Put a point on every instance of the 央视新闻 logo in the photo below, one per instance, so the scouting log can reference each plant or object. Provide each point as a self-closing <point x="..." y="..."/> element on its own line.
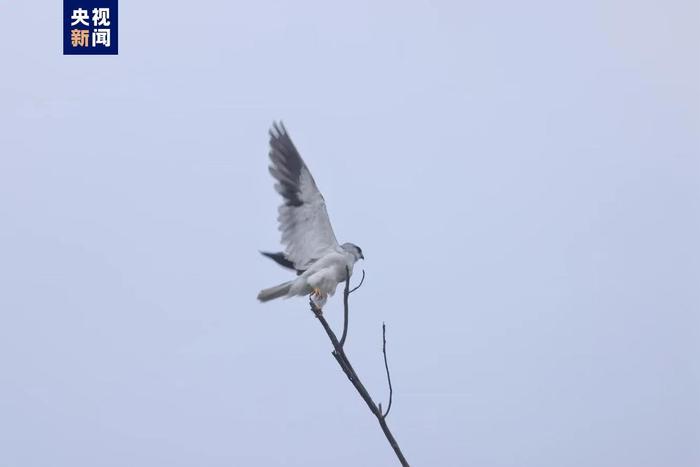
<point x="90" y="27"/>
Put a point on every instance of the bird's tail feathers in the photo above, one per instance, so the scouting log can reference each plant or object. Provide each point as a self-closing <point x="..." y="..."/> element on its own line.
<point x="277" y="291"/>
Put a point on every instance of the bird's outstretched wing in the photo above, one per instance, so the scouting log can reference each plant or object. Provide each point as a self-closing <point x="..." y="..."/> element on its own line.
<point x="306" y="229"/>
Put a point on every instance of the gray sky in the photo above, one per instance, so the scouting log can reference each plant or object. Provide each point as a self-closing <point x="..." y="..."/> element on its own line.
<point x="523" y="178"/>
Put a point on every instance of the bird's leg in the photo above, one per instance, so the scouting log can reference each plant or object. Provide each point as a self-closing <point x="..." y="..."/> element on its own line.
<point x="317" y="299"/>
<point x="317" y="311"/>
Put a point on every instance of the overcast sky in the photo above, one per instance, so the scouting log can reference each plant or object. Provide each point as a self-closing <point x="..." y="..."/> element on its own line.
<point x="523" y="178"/>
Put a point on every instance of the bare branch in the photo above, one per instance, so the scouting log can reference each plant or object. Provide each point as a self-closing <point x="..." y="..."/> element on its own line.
<point x="342" y="359"/>
<point x="346" y="294"/>
<point x="388" y="375"/>
<point x="360" y="284"/>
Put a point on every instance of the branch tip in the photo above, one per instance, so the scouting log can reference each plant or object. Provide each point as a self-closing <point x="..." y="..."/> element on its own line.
<point x="386" y="366"/>
<point x="362" y="280"/>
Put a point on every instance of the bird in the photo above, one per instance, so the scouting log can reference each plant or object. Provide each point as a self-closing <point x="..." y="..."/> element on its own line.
<point x="311" y="248"/>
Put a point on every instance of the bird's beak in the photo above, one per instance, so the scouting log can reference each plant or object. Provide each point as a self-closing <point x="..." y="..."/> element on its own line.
<point x="362" y="256"/>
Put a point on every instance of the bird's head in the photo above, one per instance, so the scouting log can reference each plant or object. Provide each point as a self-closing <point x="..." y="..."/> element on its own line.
<point x="353" y="249"/>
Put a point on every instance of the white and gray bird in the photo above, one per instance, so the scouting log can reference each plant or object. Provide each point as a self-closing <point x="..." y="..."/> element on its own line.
<point x="311" y="248"/>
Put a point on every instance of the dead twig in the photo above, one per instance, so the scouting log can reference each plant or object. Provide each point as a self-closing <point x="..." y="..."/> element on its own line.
<point x="345" y="365"/>
<point x="346" y="294"/>
<point x="386" y="366"/>
<point x="358" y="285"/>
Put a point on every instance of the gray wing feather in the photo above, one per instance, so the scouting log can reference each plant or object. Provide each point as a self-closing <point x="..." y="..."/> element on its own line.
<point x="306" y="229"/>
